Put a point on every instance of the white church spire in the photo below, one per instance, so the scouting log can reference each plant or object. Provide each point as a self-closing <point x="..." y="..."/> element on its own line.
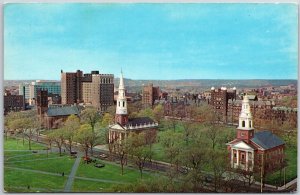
<point x="121" y="101"/>
<point x="245" y="119"/>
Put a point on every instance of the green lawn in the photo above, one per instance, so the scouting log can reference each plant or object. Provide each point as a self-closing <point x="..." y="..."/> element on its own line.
<point x="18" y="181"/>
<point x="91" y="186"/>
<point x="228" y="131"/>
<point x="54" y="163"/>
<point x="290" y="170"/>
<point x="17" y="144"/>
<point x="111" y="172"/>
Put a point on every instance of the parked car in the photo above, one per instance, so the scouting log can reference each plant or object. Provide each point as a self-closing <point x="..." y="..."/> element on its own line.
<point x="73" y="152"/>
<point x="103" y="155"/>
<point x="208" y="179"/>
<point x="99" y="165"/>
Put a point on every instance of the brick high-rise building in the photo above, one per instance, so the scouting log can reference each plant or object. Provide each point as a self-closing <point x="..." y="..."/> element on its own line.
<point x="150" y="94"/>
<point x="13" y="103"/>
<point x="219" y="100"/>
<point x="42" y="101"/>
<point x="71" y="87"/>
<point x="94" y="88"/>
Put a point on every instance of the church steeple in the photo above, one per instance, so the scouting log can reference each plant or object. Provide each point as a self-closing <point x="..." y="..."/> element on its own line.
<point x="121" y="109"/>
<point x="245" y="119"/>
<point x="245" y="129"/>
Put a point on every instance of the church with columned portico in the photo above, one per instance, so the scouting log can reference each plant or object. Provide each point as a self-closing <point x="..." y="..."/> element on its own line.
<point x="123" y="125"/>
<point x="250" y="150"/>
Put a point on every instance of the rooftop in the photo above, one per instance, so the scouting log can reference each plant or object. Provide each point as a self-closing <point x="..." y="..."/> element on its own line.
<point x="266" y="139"/>
<point x="62" y="111"/>
<point x="140" y="121"/>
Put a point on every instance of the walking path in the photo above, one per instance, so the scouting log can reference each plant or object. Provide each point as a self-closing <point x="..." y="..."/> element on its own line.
<point x="59" y="174"/>
<point x="34" y="159"/>
<point x="68" y="186"/>
<point x="35" y="189"/>
<point x="34" y="171"/>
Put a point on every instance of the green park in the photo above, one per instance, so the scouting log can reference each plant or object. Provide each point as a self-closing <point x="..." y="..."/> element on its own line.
<point x="42" y="160"/>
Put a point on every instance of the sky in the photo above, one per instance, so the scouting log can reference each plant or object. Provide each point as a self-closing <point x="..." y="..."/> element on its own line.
<point x="151" y="41"/>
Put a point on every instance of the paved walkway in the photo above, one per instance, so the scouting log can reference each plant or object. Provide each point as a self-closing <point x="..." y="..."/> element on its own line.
<point x="59" y="174"/>
<point x="34" y="189"/>
<point x="68" y="186"/>
<point x="34" y="171"/>
<point x="34" y="159"/>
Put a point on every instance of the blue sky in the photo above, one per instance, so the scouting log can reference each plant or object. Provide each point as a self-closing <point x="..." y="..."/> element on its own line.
<point x="152" y="41"/>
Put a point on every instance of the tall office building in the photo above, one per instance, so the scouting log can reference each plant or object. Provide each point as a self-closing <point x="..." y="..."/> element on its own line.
<point x="150" y="94"/>
<point x="53" y="88"/>
<point x="71" y="92"/>
<point x="93" y="88"/>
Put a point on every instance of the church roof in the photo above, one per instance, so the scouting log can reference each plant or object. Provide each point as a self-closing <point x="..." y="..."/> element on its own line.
<point x="62" y="111"/>
<point x="266" y="139"/>
<point x="140" y="121"/>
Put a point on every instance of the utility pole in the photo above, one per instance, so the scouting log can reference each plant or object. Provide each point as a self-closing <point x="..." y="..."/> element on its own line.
<point x="284" y="178"/>
<point x="261" y="173"/>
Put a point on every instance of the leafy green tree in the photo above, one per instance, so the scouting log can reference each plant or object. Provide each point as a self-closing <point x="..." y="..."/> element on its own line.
<point x="189" y="128"/>
<point x="172" y="143"/>
<point x="158" y="113"/>
<point x="83" y="136"/>
<point x="70" y="127"/>
<point x="57" y="136"/>
<point x="25" y="122"/>
<point x="121" y="148"/>
<point x="91" y="116"/>
<point x="147" y="112"/>
<point x="107" y="119"/>
<point x="138" y="149"/>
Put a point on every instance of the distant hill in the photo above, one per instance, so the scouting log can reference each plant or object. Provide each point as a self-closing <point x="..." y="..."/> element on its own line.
<point x="209" y="82"/>
<point x="195" y="83"/>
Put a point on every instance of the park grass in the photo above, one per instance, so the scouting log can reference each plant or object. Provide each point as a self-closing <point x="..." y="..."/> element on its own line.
<point x="54" y="163"/>
<point x="17" y="144"/>
<point x="91" y="186"/>
<point x="111" y="172"/>
<point x="290" y="170"/>
<point x="19" y="180"/>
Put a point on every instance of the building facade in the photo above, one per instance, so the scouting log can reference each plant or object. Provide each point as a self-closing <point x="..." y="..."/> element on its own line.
<point x="13" y="103"/>
<point x="123" y="125"/>
<point x="71" y="92"/>
<point x="254" y="151"/>
<point x="94" y="89"/>
<point x="219" y="100"/>
<point x="150" y="94"/>
<point x="53" y="88"/>
<point x="227" y="104"/>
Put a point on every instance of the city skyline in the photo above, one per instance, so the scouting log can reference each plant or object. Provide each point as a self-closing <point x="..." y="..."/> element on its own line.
<point x="165" y="41"/>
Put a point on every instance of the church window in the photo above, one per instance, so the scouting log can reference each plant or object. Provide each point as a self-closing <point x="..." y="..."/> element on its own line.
<point x="234" y="155"/>
<point x="123" y="104"/>
<point x="249" y="123"/>
<point x="119" y="104"/>
<point x="243" y="123"/>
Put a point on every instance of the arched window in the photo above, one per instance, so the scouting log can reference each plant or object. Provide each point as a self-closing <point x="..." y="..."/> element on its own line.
<point x="119" y="104"/>
<point x="250" y="124"/>
<point x="123" y="104"/>
<point x="243" y="123"/>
